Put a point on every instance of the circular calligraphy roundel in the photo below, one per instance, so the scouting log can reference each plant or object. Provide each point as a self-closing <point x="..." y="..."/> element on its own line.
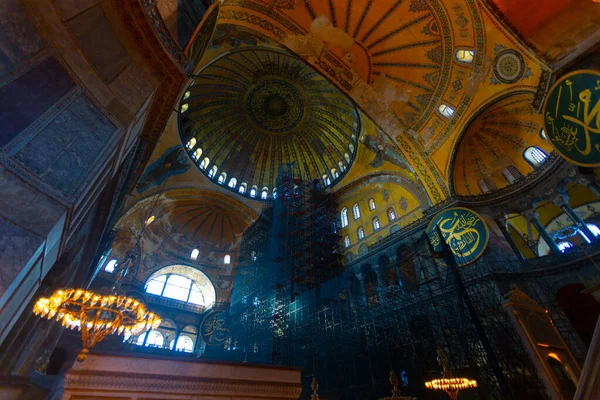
<point x="213" y="329"/>
<point x="464" y="230"/>
<point x="572" y="117"/>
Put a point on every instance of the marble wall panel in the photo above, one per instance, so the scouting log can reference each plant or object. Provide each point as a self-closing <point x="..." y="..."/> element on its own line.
<point x="27" y="206"/>
<point x="65" y="150"/>
<point x="17" y="246"/>
<point x="18" y="38"/>
<point x="133" y="86"/>
<point x="26" y="98"/>
<point x="98" y="42"/>
<point x="70" y="8"/>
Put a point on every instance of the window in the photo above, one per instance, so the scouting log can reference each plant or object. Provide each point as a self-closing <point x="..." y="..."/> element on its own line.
<point x="232" y="182"/>
<point x="351" y="148"/>
<point x="197" y="153"/>
<point x="265" y="193"/>
<point x="564" y="246"/>
<point x="483" y="186"/>
<point x="204" y="163"/>
<point x="222" y="178"/>
<point x="112" y="264"/>
<point x="151" y="338"/>
<point x="342" y="166"/>
<point x="184" y="343"/>
<point x="194" y="254"/>
<point x="183" y="283"/>
<point x="242" y="188"/>
<point x="534" y="156"/>
<point x="185" y="107"/>
<point x="334" y="173"/>
<point x="376" y="225"/>
<point x="446" y="111"/>
<point x="326" y="180"/>
<point x="213" y="171"/>
<point x="391" y="214"/>
<point x="361" y="233"/>
<point x="511" y="173"/>
<point x="191" y="143"/>
<point x="344" y="217"/>
<point x="150" y="220"/>
<point x="253" y="191"/>
<point x="543" y="134"/>
<point x="465" y="56"/>
<point x="346" y="241"/>
<point x="347" y="158"/>
<point x="227" y="259"/>
<point x="274" y="193"/>
<point x="372" y="204"/>
<point x="594" y="229"/>
<point x="356" y="211"/>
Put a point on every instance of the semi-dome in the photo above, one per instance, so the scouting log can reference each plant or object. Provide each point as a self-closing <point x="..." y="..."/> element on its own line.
<point x="255" y="109"/>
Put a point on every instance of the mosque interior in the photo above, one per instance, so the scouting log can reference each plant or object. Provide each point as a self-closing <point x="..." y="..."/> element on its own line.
<point x="299" y="199"/>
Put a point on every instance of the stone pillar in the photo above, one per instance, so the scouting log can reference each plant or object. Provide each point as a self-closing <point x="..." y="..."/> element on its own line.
<point x="532" y="216"/>
<point x="589" y="180"/>
<point x="501" y="222"/>
<point x="563" y="202"/>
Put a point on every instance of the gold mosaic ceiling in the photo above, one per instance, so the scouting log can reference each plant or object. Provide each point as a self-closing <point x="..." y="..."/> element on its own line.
<point x="254" y="109"/>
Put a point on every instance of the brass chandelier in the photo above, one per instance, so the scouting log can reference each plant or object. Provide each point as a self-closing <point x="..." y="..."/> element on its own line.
<point x="452" y="386"/>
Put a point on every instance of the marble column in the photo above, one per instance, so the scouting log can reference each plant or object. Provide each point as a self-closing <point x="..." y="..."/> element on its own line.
<point x="563" y="202"/>
<point x="501" y="222"/>
<point x="532" y="216"/>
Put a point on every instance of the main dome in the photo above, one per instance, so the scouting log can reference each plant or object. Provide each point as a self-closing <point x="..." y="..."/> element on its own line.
<point x="254" y="109"/>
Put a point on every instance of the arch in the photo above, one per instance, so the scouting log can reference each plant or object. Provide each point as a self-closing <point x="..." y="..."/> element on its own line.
<point x="243" y="187"/>
<point x="376" y="225"/>
<point x="197" y="153"/>
<point x="183" y="283"/>
<point x="227" y="259"/>
<point x="372" y="204"/>
<point x="222" y="178"/>
<point x="232" y="183"/>
<point x="191" y="143"/>
<point x="356" y="211"/>
<point x="347" y="241"/>
<point x="446" y="111"/>
<point x="511" y="173"/>
<point x="264" y="193"/>
<point x="391" y="214"/>
<point x="565" y="246"/>
<point x="110" y="266"/>
<point x="253" y="191"/>
<point x="205" y="162"/>
<point x="194" y="254"/>
<point x="395" y="228"/>
<point x="151" y="338"/>
<point x="213" y="171"/>
<point x="465" y="56"/>
<point x="360" y="233"/>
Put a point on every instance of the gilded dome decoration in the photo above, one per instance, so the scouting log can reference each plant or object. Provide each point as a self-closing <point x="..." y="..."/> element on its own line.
<point x="254" y="109"/>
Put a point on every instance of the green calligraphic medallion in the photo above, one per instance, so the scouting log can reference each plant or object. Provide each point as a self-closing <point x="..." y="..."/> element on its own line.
<point x="464" y="230"/>
<point x="213" y="329"/>
<point x="572" y="117"/>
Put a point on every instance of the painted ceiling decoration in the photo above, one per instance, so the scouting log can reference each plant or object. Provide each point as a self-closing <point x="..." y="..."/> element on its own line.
<point x="494" y="143"/>
<point x="254" y="109"/>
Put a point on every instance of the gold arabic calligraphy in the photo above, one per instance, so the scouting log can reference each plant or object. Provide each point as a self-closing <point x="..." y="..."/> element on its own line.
<point x="460" y="234"/>
<point x="586" y="118"/>
<point x="214" y="330"/>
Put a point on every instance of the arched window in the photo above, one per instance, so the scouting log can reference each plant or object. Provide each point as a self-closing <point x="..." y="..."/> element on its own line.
<point x="483" y="186"/>
<point x="594" y="229"/>
<point x="351" y="148"/>
<point x="265" y="193"/>
<point x="342" y="166"/>
<point x="564" y="246"/>
<point x="372" y="204"/>
<point x="151" y="338"/>
<point x="511" y="173"/>
<point x="112" y="264"/>
<point x="204" y="163"/>
<point x="543" y="134"/>
<point x="376" y="225"/>
<point x="194" y="254"/>
<point x="183" y="283"/>
<point x="347" y="241"/>
<point x="253" y="191"/>
<point x="465" y="56"/>
<point x="446" y="111"/>
<point x="326" y="180"/>
<point x="227" y="259"/>
<point x="187" y="95"/>
<point x="534" y="156"/>
<point x="150" y="220"/>
<point x="185" y="107"/>
<point x="184" y="343"/>
<point x="391" y="214"/>
<point x="347" y="157"/>
<point x="334" y="173"/>
<point x="197" y="153"/>
<point x="213" y="171"/>
<point x="232" y="182"/>
<point x="361" y="233"/>
<point x="356" y="211"/>
<point x="191" y="143"/>
<point x="274" y="193"/>
<point x="242" y="188"/>
<point x="222" y="178"/>
<point x="344" y="217"/>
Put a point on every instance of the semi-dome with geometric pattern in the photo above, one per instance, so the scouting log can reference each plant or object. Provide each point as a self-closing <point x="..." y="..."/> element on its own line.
<point x="255" y="109"/>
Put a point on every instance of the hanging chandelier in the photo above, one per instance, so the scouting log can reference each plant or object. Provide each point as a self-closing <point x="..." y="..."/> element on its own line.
<point x="448" y="383"/>
<point x="96" y="315"/>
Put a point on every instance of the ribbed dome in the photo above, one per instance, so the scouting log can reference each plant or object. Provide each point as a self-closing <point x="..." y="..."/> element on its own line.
<point x="253" y="110"/>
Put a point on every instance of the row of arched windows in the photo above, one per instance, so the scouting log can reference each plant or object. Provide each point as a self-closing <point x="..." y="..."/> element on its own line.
<point x="463" y="56"/>
<point x="376" y="226"/>
<point x="195" y="253"/>
<point x="356" y="213"/>
<point x="168" y="337"/>
<point x="533" y="155"/>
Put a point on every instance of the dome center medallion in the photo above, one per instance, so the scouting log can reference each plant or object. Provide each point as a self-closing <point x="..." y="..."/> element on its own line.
<point x="275" y="105"/>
